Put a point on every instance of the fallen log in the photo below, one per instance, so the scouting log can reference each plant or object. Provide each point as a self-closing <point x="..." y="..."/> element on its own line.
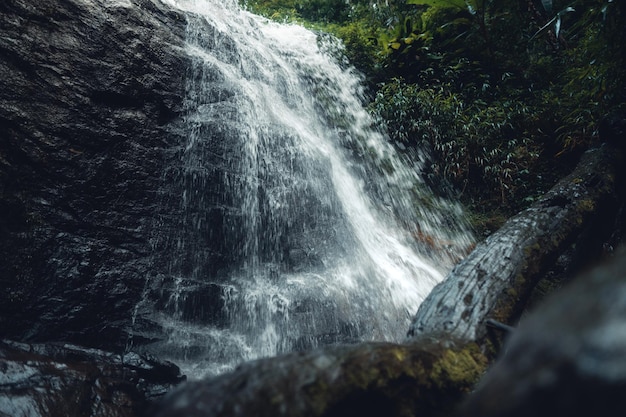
<point x="496" y="279"/>
<point x="369" y="379"/>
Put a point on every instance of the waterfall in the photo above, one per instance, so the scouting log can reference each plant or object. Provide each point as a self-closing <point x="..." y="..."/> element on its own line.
<point x="299" y="225"/>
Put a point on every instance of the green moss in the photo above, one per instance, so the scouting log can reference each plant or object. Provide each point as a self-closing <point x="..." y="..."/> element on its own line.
<point x="587" y="206"/>
<point x="460" y="368"/>
<point x="413" y="380"/>
<point x="530" y="249"/>
<point x="510" y="303"/>
<point x="485" y="222"/>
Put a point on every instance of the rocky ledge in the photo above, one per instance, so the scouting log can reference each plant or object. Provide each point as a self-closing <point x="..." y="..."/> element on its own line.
<point x="63" y="380"/>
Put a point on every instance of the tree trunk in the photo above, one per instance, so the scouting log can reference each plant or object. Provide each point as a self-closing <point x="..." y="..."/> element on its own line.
<point x="496" y="279"/>
<point x="368" y="379"/>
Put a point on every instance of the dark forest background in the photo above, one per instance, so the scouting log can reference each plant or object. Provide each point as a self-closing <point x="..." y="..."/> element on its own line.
<point x="504" y="95"/>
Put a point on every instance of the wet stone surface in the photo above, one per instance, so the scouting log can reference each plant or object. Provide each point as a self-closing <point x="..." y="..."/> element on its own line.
<point x="88" y="106"/>
<point x="64" y="380"/>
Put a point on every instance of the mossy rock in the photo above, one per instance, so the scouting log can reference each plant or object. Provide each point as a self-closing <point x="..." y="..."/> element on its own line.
<point x="371" y="379"/>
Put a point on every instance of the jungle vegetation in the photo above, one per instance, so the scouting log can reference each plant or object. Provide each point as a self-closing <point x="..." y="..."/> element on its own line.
<point x="504" y="94"/>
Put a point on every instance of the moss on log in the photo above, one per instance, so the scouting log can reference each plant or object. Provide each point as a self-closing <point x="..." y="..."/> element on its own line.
<point x="370" y="379"/>
<point x="495" y="280"/>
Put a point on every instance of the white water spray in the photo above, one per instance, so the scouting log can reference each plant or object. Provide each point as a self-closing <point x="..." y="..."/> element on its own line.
<point x="300" y="225"/>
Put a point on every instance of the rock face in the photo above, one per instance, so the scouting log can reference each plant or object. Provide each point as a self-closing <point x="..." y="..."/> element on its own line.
<point x="63" y="380"/>
<point x="91" y="90"/>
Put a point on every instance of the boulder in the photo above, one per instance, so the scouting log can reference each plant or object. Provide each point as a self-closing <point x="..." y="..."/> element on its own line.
<point x="368" y="379"/>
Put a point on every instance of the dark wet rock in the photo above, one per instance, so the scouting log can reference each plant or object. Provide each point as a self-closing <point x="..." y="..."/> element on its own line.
<point x="567" y="357"/>
<point x="370" y="379"/>
<point x="66" y="381"/>
<point x="496" y="280"/>
<point x="91" y="91"/>
<point x="193" y="301"/>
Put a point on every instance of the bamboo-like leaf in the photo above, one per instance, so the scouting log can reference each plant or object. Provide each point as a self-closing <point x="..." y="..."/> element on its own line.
<point x="544" y="28"/>
<point x="605" y="10"/>
<point x="556" y="20"/>
<point x="557" y="25"/>
<point x="459" y="4"/>
<point x="566" y="10"/>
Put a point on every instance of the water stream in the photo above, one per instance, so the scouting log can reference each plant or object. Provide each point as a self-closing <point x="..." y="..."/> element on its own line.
<point x="299" y="224"/>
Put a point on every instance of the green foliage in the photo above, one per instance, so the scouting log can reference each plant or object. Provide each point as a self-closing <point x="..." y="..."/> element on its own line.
<point x="499" y="92"/>
<point x="502" y="92"/>
<point x="444" y="4"/>
<point x="361" y="45"/>
<point x="433" y="47"/>
<point x="475" y="146"/>
<point x="324" y="10"/>
<point x="319" y="11"/>
<point x="593" y="74"/>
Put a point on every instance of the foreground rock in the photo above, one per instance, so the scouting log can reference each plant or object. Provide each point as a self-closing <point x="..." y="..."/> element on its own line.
<point x="90" y="91"/>
<point x="363" y="380"/>
<point x="567" y="358"/>
<point x="64" y="381"/>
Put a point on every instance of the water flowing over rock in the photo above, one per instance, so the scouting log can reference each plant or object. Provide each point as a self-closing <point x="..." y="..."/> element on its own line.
<point x="568" y="363"/>
<point x="297" y="225"/>
<point x="191" y="180"/>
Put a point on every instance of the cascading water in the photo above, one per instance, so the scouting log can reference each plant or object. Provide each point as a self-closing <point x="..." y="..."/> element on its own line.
<point x="299" y="223"/>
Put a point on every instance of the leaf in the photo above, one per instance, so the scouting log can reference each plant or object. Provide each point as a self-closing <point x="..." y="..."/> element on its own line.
<point x="543" y="29"/>
<point x="557" y="23"/>
<point x="458" y="4"/>
<point x="557" y="26"/>
<point x="547" y="5"/>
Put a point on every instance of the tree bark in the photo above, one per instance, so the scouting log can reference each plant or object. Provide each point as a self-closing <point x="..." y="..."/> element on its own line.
<point x="496" y="279"/>
<point x="368" y="379"/>
<point x="566" y="358"/>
